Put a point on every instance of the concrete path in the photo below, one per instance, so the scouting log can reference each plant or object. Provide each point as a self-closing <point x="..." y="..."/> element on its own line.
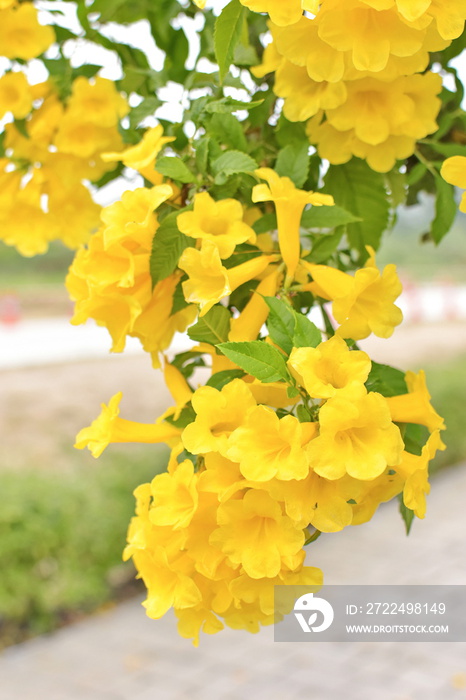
<point x="122" y="655"/>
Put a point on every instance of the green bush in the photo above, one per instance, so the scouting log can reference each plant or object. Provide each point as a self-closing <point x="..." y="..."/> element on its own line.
<point x="447" y="384"/>
<point x="61" y="540"/>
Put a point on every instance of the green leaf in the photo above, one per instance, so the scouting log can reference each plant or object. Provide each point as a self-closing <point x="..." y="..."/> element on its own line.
<point x="228" y="130"/>
<point x="257" y="358"/>
<point x="445" y="209"/>
<point x="356" y="187"/>
<point x="220" y="379"/>
<point x="227" y="35"/>
<point x="306" y="334"/>
<point x="303" y="414"/>
<point x="327" y="217"/>
<point x="230" y="163"/>
<point x="175" y="169"/>
<point x="213" y="328"/>
<point x="414" y="437"/>
<point x="293" y="162"/>
<point x="143" y="110"/>
<point x="266" y="223"/>
<point x="406" y="513"/>
<point x="324" y="246"/>
<point x="226" y="105"/>
<point x="292" y="392"/>
<point x="167" y="246"/>
<point x="281" y="323"/>
<point x="386" y="380"/>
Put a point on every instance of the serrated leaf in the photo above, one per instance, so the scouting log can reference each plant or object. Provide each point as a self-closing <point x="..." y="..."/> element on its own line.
<point x="356" y="187"/>
<point x="280" y="323"/>
<point x="227" y="35"/>
<point x="213" y="328"/>
<point x="257" y="358"/>
<point x="327" y="217"/>
<point x="406" y="513"/>
<point x="230" y="163"/>
<point x="167" y="246"/>
<point x="220" y="379"/>
<point x="293" y="162"/>
<point x="386" y="380"/>
<point x="175" y="169"/>
<point x="445" y="209"/>
<point x="306" y="334"/>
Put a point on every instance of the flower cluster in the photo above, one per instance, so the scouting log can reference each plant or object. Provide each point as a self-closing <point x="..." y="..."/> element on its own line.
<point x="292" y="436"/>
<point x="54" y="143"/>
<point x="355" y="72"/>
<point x="247" y="481"/>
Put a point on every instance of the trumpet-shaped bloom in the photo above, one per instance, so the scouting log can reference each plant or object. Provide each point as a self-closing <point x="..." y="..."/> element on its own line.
<point x="303" y="96"/>
<point x="248" y="324"/>
<point x="454" y="171"/>
<point x="142" y="156"/>
<point x="15" y="95"/>
<point x="218" y="414"/>
<point x="415" y="407"/>
<point x="21" y="35"/>
<point x="362" y="304"/>
<point x="209" y="281"/>
<point x="289" y="204"/>
<point x="357" y="437"/>
<point x="371" y="35"/>
<point x="266" y="446"/>
<point x="253" y="533"/>
<point x="97" y="101"/>
<point x="219" y="222"/>
<point x="175" y="497"/>
<point x="330" y="369"/>
<point x="109" y="428"/>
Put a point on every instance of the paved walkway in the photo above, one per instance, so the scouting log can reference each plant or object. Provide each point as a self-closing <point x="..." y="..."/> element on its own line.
<point x="122" y="655"/>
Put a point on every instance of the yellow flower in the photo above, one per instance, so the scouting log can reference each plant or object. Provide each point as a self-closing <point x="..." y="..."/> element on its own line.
<point x="289" y="204"/>
<point x="454" y="171"/>
<point x="21" y="35"/>
<point x="142" y="156"/>
<point x="266" y="446"/>
<point x="218" y="414"/>
<point x="97" y="101"/>
<point x="330" y="369"/>
<point x="377" y="110"/>
<point x="220" y="475"/>
<point x="371" y="35"/>
<point x="169" y="584"/>
<point x="23" y="222"/>
<point x="368" y="495"/>
<point x="84" y="138"/>
<point x="448" y="14"/>
<point x="209" y="281"/>
<point x="303" y="96"/>
<point x="282" y="13"/>
<point x="175" y="497"/>
<point x="219" y="222"/>
<point x="253" y="533"/>
<point x="74" y="213"/>
<point x="15" y="95"/>
<point x="414" y="469"/>
<point x="108" y="427"/>
<point x="133" y="218"/>
<point x="415" y="407"/>
<point x="301" y="44"/>
<point x="357" y="437"/>
<point x="362" y="304"/>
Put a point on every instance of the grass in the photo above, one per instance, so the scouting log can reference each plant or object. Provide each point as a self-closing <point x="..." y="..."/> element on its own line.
<point x="61" y="540"/>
